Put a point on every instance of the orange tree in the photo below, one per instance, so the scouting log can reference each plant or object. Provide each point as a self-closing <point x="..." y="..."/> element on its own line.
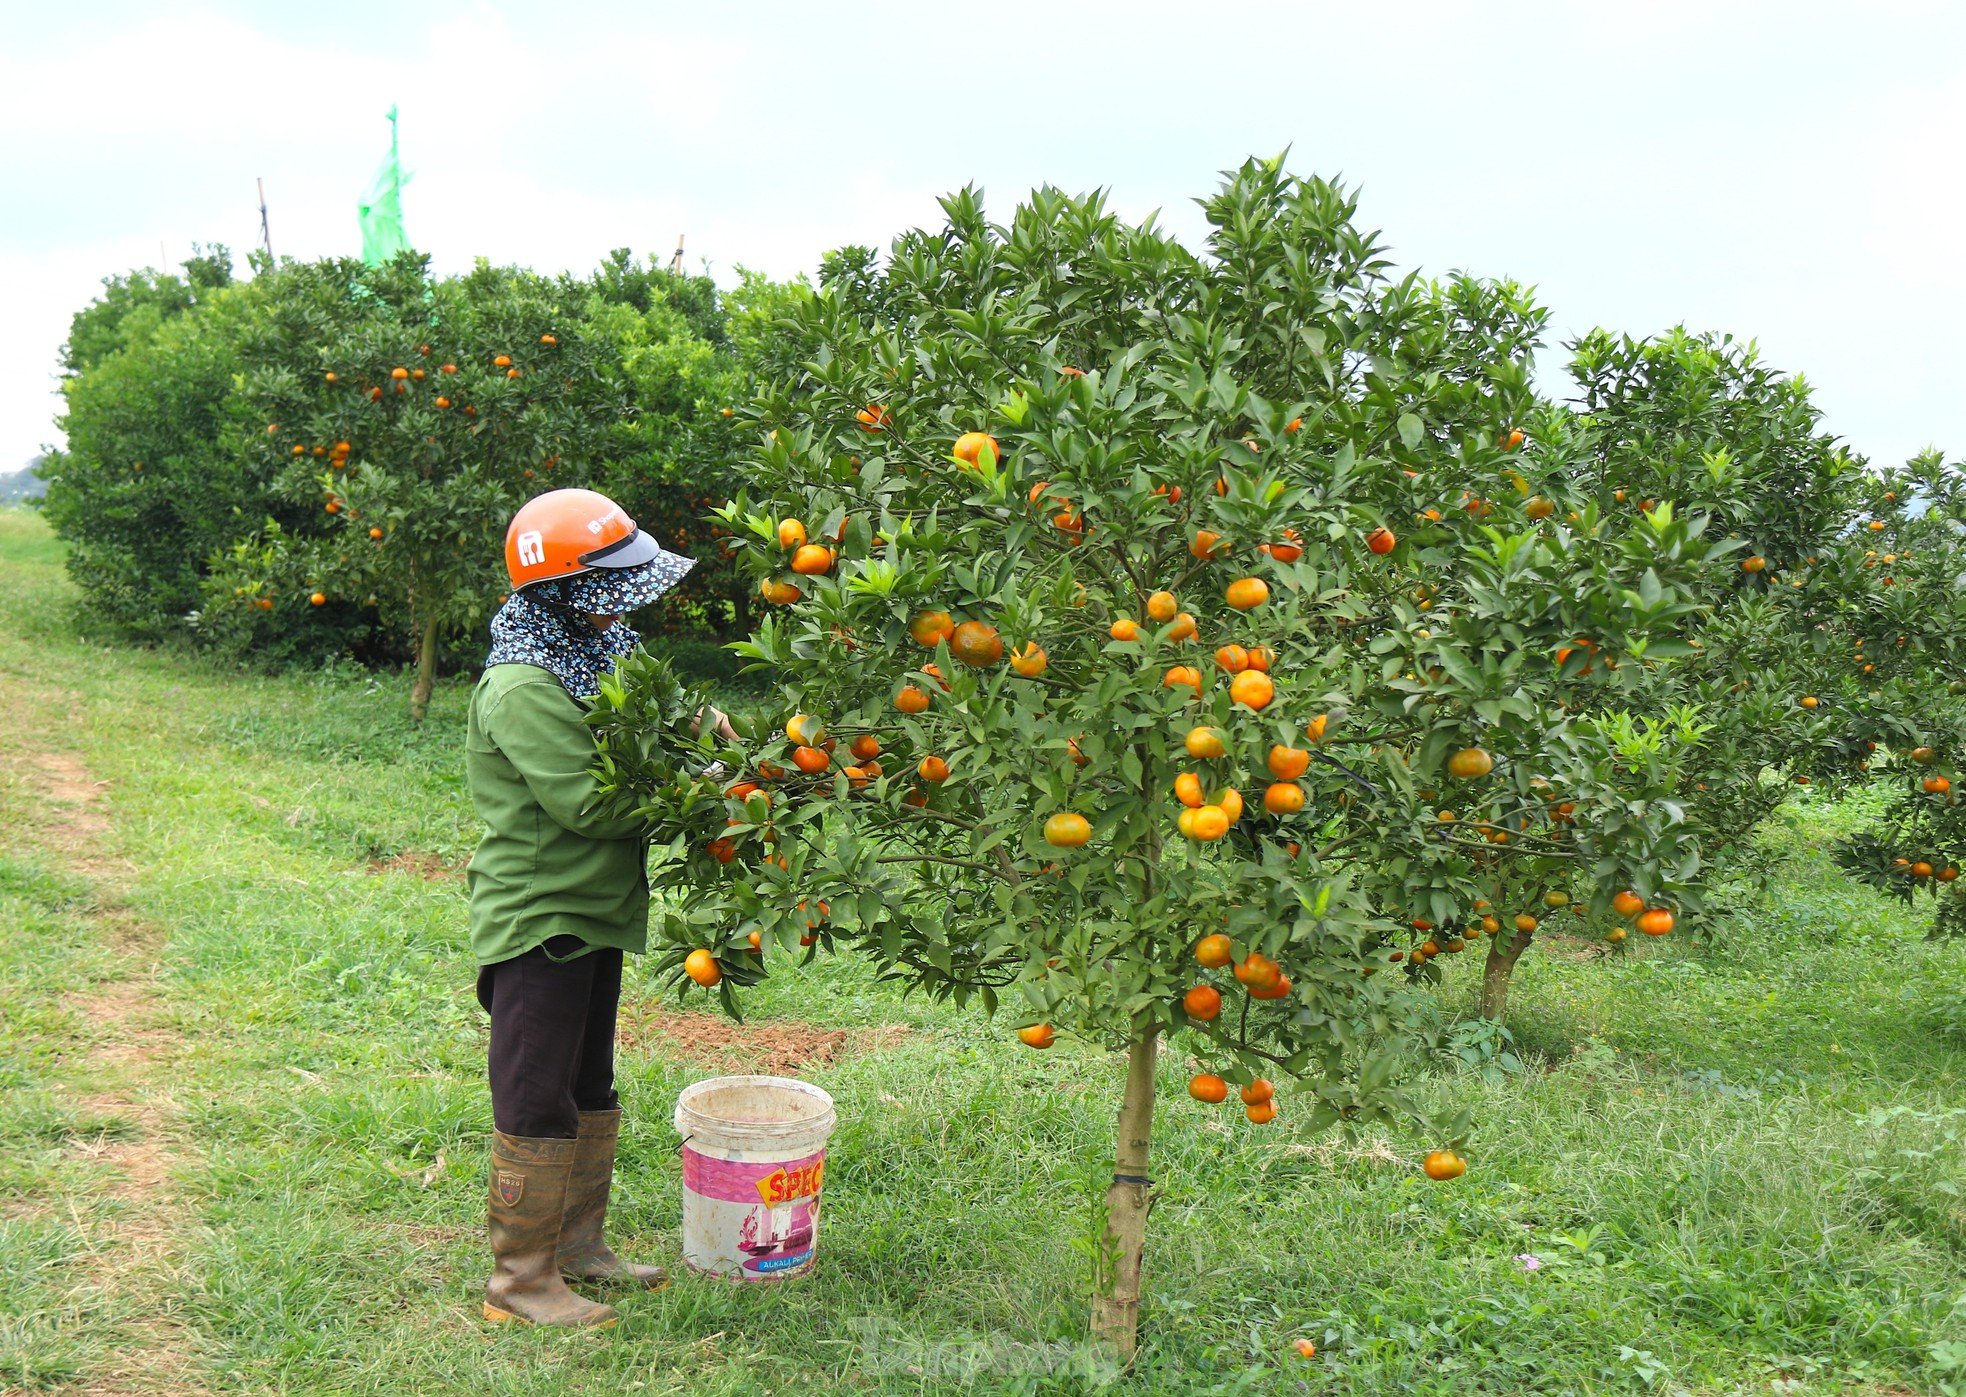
<point x="1166" y="637"/>
<point x="415" y="414"/>
<point x="1898" y="616"/>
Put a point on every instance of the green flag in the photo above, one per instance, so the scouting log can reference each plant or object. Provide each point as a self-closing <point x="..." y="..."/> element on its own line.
<point x="381" y="209"/>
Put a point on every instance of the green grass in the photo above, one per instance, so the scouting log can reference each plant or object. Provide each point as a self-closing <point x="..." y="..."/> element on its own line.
<point x="1736" y="1168"/>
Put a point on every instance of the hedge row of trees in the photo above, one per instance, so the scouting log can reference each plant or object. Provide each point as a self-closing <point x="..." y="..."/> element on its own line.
<point x="322" y="459"/>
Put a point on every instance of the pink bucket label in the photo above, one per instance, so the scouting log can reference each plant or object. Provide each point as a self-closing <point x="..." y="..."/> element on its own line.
<point x="753" y="1221"/>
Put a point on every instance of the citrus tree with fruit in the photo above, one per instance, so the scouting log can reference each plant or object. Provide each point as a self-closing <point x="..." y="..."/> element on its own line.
<point x="416" y="414"/>
<point x="1164" y="639"/>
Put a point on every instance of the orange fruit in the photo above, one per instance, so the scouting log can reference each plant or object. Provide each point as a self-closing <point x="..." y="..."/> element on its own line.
<point x="1247" y="593"/>
<point x="1536" y="507"/>
<point x="1206" y="1086"/>
<point x="503" y="361"/>
<point x="1443" y="1165"/>
<point x="1259" y="970"/>
<point x="969" y="448"/>
<point x="1067" y="830"/>
<point x="1381" y="540"/>
<point x="1252" y="689"/>
<point x="1182" y="627"/>
<point x="1214" y="951"/>
<point x="779" y="593"/>
<point x="1525" y="922"/>
<point x="702" y="967"/>
<point x="805" y="730"/>
<point x="1202" y="1002"/>
<point x="375" y="533"/>
<point x="1922" y="755"/>
<point x="1181" y="676"/>
<point x="1126" y="628"/>
<point x="1627" y="904"/>
<point x="791" y="533"/>
<point x="932" y="770"/>
<point x="812" y="559"/>
<point x="976" y="644"/>
<point x="1038" y="1035"/>
<point x="871" y="418"/>
<point x="1207" y="824"/>
<point x="1205" y="544"/>
<point x="1809" y="700"/>
<point x="865" y="747"/>
<point x="1280" y="990"/>
<point x="1934" y="785"/>
<point x="1260" y="657"/>
<point x="1230" y="802"/>
<point x="1306" y="1349"/>
<point x="1204" y="742"/>
<point x="1258" y="1092"/>
<point x="1262" y="1113"/>
<point x="1288" y="763"/>
<point x="319" y="598"/>
<point x="1470" y="762"/>
<point x="931" y="628"/>
<point x="1030" y="660"/>
<point x="810" y="760"/>
<point x="1232" y="658"/>
<point x="1315" y="728"/>
<point x="1187" y="790"/>
<point x="1283" y="798"/>
<point x="1753" y="564"/>
<point x="1513" y="439"/>
<point x="1656" y="921"/>
<point x="1162" y="607"/>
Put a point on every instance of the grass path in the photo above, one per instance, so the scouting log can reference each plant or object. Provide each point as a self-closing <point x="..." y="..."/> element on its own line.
<point x="242" y="1120"/>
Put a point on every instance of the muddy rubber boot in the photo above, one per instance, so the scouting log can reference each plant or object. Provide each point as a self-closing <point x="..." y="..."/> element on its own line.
<point x="528" y="1195"/>
<point x="584" y="1252"/>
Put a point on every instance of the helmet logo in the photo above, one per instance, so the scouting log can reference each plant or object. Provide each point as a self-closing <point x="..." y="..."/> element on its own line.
<point x="594" y="526"/>
<point x="532" y="548"/>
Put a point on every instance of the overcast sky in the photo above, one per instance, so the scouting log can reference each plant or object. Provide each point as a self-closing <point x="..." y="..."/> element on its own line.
<point x="1792" y="172"/>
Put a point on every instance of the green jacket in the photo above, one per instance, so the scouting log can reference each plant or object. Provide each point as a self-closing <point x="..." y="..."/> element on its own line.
<point x="546" y="865"/>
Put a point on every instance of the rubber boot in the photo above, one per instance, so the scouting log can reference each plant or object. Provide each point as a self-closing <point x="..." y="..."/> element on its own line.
<point x="528" y="1195"/>
<point x="584" y="1252"/>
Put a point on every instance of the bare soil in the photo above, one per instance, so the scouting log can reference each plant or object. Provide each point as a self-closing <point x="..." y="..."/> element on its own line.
<point x="771" y="1048"/>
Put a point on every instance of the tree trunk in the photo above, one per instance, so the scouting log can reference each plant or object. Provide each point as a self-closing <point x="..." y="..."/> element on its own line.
<point x="1495" y="973"/>
<point x="426" y="670"/>
<point x="1116" y="1296"/>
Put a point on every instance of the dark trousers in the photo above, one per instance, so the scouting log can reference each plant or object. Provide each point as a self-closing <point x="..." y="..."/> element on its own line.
<point x="552" y="1037"/>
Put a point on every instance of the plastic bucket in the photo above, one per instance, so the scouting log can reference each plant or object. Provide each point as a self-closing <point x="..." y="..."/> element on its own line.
<point x="754" y="1157"/>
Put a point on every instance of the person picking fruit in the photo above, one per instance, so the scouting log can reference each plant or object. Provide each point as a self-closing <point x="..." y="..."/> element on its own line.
<point x="558" y="893"/>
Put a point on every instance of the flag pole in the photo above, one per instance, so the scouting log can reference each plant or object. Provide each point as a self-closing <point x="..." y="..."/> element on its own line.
<point x="265" y="229"/>
<point x="676" y="262"/>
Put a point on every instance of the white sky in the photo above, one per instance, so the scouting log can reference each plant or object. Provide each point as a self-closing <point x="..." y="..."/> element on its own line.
<point x="1791" y="172"/>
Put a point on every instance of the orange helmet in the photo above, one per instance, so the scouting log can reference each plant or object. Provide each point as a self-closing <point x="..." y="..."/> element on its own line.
<point x="563" y="533"/>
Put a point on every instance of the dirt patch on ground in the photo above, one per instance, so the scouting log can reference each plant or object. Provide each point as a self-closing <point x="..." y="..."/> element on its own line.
<point x="418" y="863"/>
<point x="128" y="1052"/>
<point x="773" y="1048"/>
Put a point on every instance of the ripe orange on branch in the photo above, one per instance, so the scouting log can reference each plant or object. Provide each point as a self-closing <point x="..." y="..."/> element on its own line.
<point x="969" y="448"/>
<point x="1288" y="763"/>
<point x="976" y="644"/>
<point x="1202" y="1002"/>
<point x="1214" y="951"/>
<point x="1208" y="1087"/>
<point x="1067" y="830"/>
<point x="1247" y="593"/>
<point x="812" y="560"/>
<point x="1470" y="763"/>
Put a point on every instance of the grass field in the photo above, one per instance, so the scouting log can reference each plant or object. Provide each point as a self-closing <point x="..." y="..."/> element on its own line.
<point x="243" y="1128"/>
